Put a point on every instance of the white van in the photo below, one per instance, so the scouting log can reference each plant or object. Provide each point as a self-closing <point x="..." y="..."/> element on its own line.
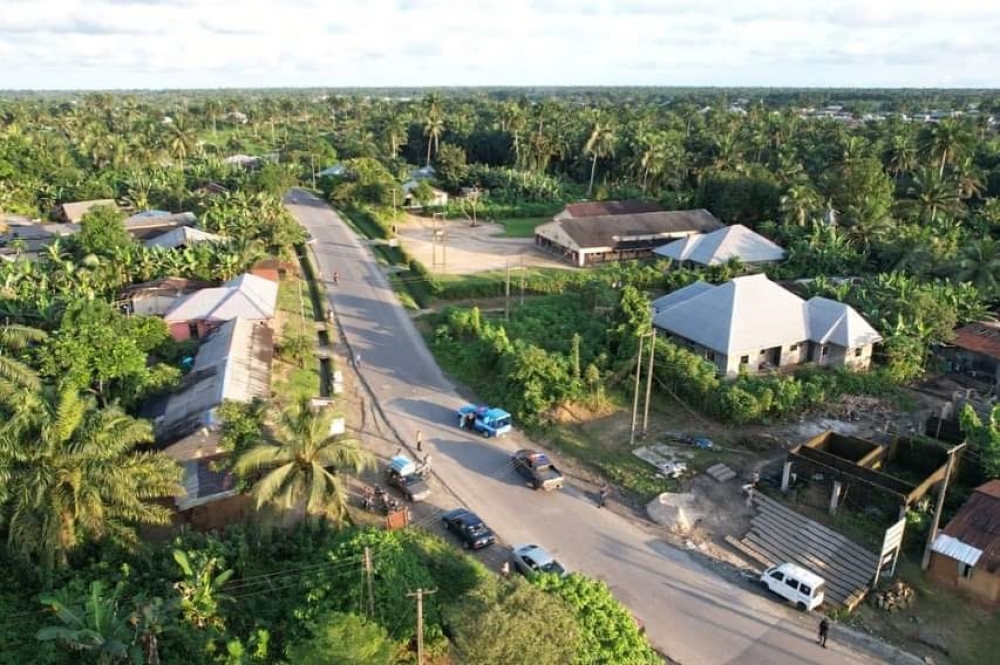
<point x="796" y="584"/>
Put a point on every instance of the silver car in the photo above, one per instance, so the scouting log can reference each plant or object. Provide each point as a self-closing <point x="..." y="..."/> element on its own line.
<point x="533" y="559"/>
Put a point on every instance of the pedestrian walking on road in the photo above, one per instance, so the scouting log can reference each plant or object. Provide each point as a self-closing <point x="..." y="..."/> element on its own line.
<point x="420" y="441"/>
<point x="824" y="628"/>
<point x="603" y="495"/>
<point x="505" y="570"/>
<point x="336" y="278"/>
<point x="357" y="360"/>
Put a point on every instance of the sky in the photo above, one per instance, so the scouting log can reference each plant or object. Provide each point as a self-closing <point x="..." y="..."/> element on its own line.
<point x="139" y="44"/>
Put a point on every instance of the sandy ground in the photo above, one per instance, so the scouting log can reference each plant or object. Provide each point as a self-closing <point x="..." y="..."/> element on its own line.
<point x="468" y="249"/>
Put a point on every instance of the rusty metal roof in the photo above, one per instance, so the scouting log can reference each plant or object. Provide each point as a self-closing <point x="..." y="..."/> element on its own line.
<point x="977" y="525"/>
<point x="981" y="337"/>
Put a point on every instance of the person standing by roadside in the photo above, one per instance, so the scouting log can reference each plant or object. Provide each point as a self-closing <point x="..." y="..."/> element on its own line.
<point x="420" y="441"/>
<point x="505" y="570"/>
<point x="824" y="629"/>
<point x="604" y="492"/>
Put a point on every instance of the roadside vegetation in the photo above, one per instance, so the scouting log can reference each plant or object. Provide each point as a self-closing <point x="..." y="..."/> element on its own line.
<point x="898" y="218"/>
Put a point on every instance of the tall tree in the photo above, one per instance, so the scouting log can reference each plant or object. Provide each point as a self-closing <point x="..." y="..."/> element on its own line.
<point x="301" y="463"/>
<point x="600" y="144"/>
<point x="72" y="474"/>
<point x="946" y="141"/>
<point x="979" y="265"/>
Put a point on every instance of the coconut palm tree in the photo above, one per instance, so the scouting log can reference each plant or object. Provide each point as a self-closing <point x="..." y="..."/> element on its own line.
<point x="799" y="204"/>
<point x="946" y="141"/>
<point x="600" y="144"/>
<point x="930" y="195"/>
<point x="69" y="472"/>
<point x="979" y="265"/>
<point x="301" y="463"/>
<point x="433" y="129"/>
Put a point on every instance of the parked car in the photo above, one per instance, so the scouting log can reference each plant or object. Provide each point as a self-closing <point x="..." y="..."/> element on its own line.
<point x="471" y="530"/>
<point x="796" y="584"/>
<point x="533" y="559"/>
<point x="541" y="473"/>
<point x="402" y="474"/>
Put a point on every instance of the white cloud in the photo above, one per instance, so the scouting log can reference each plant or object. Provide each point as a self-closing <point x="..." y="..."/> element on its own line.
<point x="248" y="43"/>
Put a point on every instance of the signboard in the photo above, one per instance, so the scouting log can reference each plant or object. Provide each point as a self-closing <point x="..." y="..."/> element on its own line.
<point x="891" y="545"/>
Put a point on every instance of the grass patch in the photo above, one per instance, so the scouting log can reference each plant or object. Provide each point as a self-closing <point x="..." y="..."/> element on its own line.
<point x="522" y="228"/>
<point x="613" y="461"/>
<point x="297" y="382"/>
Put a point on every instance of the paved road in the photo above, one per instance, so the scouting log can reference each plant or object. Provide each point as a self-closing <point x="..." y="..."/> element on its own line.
<point x="690" y="614"/>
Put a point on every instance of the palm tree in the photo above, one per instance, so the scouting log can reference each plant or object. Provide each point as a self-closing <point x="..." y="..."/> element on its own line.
<point x="600" y="144"/>
<point x="70" y="472"/>
<point x="901" y="153"/>
<point x="931" y="194"/>
<point x="979" y="265"/>
<point x="946" y="141"/>
<point x="14" y="372"/>
<point x="302" y="463"/>
<point x="395" y="132"/>
<point x="433" y="129"/>
<point x="799" y="204"/>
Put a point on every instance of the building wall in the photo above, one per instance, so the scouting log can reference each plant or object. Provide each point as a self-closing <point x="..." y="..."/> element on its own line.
<point x="152" y="305"/>
<point x="180" y="331"/>
<point x="982" y="586"/>
<point x="758" y="359"/>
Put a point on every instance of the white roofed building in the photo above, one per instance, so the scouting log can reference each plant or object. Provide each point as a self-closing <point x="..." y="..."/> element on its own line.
<point x="752" y="324"/>
<point x="247" y="297"/>
<point x="722" y="246"/>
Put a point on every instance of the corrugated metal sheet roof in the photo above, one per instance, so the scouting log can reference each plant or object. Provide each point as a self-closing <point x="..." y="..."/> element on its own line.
<point x="981" y="337"/>
<point x="977" y="524"/>
<point x="956" y="549"/>
<point x="604" y="208"/>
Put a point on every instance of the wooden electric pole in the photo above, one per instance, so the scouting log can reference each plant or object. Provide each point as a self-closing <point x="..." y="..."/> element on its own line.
<point x="932" y="534"/>
<point x="371" y="588"/>
<point x="649" y="380"/>
<point x="635" y="397"/>
<point x="419" y="594"/>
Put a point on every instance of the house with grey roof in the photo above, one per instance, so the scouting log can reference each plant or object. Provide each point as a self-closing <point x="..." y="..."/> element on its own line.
<point x="233" y="364"/>
<point x="751" y="324"/>
<point x="182" y="236"/>
<point x="717" y="248"/>
<point x="151" y="224"/>
<point x="74" y="211"/>
<point x="248" y="297"/>
<point x="596" y="232"/>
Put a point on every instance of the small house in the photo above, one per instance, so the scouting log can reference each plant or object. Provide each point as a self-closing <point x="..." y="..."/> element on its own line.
<point x="440" y="197"/>
<point x="156" y="297"/>
<point x="751" y="324"/>
<point x="247" y="297"/>
<point x="74" y="212"/>
<point x="966" y="554"/>
<point x="182" y="236"/>
<point x="975" y="351"/>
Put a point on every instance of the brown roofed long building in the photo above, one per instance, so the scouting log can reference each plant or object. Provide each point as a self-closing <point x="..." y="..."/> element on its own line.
<point x="966" y="555"/>
<point x="587" y="233"/>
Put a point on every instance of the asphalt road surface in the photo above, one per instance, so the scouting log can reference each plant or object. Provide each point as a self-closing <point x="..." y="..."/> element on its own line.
<point x="690" y="614"/>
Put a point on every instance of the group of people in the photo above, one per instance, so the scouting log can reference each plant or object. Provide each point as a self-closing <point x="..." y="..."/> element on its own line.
<point x="377" y="498"/>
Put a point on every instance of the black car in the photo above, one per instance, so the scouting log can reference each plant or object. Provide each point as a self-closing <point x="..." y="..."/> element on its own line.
<point x="471" y="530"/>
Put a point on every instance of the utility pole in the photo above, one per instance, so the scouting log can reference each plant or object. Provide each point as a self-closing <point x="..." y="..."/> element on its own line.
<point x="522" y="280"/>
<point x="932" y="534"/>
<point x="635" y="398"/>
<point x="312" y="167"/>
<point x="419" y="594"/>
<point x="649" y="380"/>
<point x="506" y="302"/>
<point x="371" y="589"/>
